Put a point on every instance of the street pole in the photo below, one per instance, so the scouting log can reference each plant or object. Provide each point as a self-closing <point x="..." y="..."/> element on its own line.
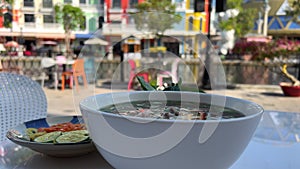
<point x="205" y="79"/>
<point x="21" y="42"/>
<point x="267" y="9"/>
<point x="298" y="66"/>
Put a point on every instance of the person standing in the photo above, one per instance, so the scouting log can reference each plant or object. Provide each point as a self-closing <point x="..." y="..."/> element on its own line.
<point x="77" y="50"/>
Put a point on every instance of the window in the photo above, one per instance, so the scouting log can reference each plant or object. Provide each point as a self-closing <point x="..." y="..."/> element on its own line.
<point x="84" y="23"/>
<point x="201" y="22"/>
<point x="93" y="2"/>
<point x="179" y="3"/>
<point x="191" y="20"/>
<point x="82" y="1"/>
<point x="92" y="25"/>
<point x="68" y="1"/>
<point x="48" y="19"/>
<point x="116" y="4"/>
<point x="132" y="3"/>
<point x="100" y="22"/>
<point x="47" y="3"/>
<point x="28" y="3"/>
<point x="191" y="4"/>
<point x="29" y="18"/>
<point x="130" y="48"/>
<point x="102" y="2"/>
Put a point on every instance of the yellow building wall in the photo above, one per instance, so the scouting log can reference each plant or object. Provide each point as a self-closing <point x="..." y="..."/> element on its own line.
<point x="187" y="5"/>
<point x="197" y="17"/>
<point x="187" y="16"/>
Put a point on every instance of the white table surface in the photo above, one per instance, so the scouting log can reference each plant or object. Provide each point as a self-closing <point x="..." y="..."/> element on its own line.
<point x="275" y="145"/>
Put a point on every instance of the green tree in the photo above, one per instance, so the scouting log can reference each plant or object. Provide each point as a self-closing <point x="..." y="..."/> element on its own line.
<point x="72" y="18"/>
<point x="294" y="12"/>
<point x="6" y="5"/>
<point x="156" y="16"/>
<point x="243" y="23"/>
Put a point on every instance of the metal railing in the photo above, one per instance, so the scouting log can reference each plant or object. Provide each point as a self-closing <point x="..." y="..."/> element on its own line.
<point x="236" y="71"/>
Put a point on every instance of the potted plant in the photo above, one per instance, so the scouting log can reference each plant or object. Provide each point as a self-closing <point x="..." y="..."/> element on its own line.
<point x="281" y="49"/>
<point x="285" y="48"/>
<point x="293" y="88"/>
<point x="290" y="88"/>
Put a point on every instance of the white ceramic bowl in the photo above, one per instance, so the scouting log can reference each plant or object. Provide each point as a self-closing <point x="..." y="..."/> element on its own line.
<point x="135" y="143"/>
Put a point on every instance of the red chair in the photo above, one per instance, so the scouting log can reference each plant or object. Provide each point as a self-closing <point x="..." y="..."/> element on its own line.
<point x="134" y="73"/>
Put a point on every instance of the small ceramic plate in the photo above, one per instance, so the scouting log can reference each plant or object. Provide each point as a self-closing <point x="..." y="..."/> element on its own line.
<point x="58" y="150"/>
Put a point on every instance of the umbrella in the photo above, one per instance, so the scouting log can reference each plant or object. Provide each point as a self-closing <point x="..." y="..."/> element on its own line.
<point x="95" y="41"/>
<point x="11" y="44"/>
<point x="49" y="42"/>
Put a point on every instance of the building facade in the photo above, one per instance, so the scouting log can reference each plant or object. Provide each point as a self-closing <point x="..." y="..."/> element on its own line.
<point x="119" y="24"/>
<point x="33" y="21"/>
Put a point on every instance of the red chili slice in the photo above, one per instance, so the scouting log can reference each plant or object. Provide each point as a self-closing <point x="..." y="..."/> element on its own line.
<point x="62" y="127"/>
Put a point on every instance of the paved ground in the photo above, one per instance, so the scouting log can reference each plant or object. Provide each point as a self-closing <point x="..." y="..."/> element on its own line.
<point x="270" y="97"/>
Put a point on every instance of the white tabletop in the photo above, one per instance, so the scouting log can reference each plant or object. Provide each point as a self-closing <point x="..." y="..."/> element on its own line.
<point x="275" y="145"/>
<point x="65" y="62"/>
<point x="48" y="62"/>
<point x="13" y="156"/>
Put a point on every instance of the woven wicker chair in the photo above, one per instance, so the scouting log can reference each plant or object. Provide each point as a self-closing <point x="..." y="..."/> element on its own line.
<point x="21" y="99"/>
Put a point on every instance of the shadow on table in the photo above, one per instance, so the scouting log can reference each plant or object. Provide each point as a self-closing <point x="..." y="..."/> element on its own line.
<point x="91" y="160"/>
<point x="112" y="85"/>
<point x="272" y="94"/>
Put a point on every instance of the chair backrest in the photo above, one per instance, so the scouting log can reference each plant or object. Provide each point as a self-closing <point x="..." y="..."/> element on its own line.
<point x="132" y="64"/>
<point x="174" y="69"/>
<point x="78" y="66"/>
<point x="21" y="100"/>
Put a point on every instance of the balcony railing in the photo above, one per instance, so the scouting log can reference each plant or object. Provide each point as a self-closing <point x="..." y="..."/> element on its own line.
<point x="47" y="4"/>
<point x="111" y="28"/>
<point x="52" y="26"/>
<point x="29" y="25"/>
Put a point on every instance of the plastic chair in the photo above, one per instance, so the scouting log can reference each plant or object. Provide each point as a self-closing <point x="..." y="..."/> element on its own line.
<point x="167" y="74"/>
<point x="48" y="65"/>
<point x="133" y="74"/>
<point x="76" y="72"/>
<point x="21" y="100"/>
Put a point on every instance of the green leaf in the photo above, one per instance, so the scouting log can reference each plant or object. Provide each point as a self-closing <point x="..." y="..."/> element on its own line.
<point x="144" y="84"/>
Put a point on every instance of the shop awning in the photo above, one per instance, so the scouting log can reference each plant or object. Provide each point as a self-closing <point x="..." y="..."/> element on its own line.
<point x="83" y="36"/>
<point x="96" y="41"/>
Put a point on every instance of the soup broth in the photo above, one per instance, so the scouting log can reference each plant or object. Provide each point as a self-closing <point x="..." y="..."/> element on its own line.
<point x="172" y="110"/>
